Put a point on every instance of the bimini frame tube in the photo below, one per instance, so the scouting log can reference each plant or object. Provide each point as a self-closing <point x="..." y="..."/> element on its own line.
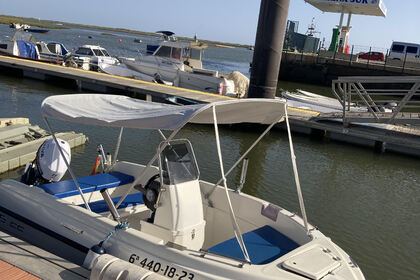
<point x="295" y="172"/>
<point x="207" y="196"/>
<point x="117" y="147"/>
<point x="232" y="214"/>
<point x="160" y="149"/>
<point x="68" y="165"/>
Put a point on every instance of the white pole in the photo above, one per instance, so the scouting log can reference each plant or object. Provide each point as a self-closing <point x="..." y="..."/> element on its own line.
<point x="67" y="164"/>
<point x="245" y="154"/>
<point x="293" y="157"/>
<point x="341" y="20"/>
<point x="232" y="214"/>
<point x="348" y="21"/>
<point x="117" y="148"/>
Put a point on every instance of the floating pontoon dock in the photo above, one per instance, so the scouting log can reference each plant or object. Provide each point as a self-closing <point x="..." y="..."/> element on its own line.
<point x="404" y="139"/>
<point x="19" y="141"/>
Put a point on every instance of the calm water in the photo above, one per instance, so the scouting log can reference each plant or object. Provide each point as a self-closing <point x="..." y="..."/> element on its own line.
<point x="369" y="204"/>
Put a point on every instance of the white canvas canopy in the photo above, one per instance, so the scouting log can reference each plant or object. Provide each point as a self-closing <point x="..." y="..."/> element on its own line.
<point x="123" y="111"/>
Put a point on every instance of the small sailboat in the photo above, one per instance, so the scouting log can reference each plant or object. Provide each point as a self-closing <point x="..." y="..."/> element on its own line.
<point x="163" y="217"/>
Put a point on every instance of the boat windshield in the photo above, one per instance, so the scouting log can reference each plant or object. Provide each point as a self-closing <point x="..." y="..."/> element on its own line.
<point x="98" y="52"/>
<point x="166" y="51"/>
<point x="84" y="51"/>
<point x="196" y="54"/>
<point x="163" y="51"/>
<point x="105" y="52"/>
<point x="176" y="53"/>
<point x="177" y="163"/>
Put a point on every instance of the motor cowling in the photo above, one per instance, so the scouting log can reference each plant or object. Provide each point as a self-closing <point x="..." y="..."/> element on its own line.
<point x="49" y="165"/>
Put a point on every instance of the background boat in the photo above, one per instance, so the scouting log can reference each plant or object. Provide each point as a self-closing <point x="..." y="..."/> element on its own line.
<point x="35" y="30"/>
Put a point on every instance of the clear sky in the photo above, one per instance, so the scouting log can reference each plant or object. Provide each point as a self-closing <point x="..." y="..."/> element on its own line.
<point x="232" y="21"/>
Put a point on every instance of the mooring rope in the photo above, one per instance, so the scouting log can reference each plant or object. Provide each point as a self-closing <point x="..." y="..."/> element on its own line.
<point x="119" y="226"/>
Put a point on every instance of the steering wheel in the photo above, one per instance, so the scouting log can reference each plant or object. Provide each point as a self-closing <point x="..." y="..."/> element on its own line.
<point x="151" y="192"/>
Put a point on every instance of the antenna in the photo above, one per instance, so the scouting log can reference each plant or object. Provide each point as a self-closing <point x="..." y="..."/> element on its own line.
<point x="312" y="29"/>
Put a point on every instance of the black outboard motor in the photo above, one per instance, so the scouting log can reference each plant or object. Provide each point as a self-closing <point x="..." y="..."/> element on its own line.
<point x="48" y="165"/>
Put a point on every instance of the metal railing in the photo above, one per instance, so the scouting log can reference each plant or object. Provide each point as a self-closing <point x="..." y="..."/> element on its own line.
<point x="380" y="99"/>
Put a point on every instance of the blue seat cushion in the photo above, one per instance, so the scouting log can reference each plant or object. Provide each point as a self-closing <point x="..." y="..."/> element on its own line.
<point x="87" y="184"/>
<point x="264" y="245"/>
<point x="100" y="206"/>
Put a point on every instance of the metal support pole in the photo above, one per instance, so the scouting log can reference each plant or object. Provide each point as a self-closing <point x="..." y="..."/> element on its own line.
<point x="386" y="58"/>
<point x="115" y="215"/>
<point x="268" y="48"/>
<point x="68" y="165"/>
<point x="369" y="53"/>
<point x="341" y="20"/>
<point x="348" y="21"/>
<point x="405" y="59"/>
<point x="117" y="147"/>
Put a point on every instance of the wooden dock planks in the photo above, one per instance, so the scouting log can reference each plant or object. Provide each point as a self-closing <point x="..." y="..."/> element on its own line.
<point x="11" y="272"/>
<point x="30" y="262"/>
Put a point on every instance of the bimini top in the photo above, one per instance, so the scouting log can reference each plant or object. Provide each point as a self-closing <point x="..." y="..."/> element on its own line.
<point x="123" y="111"/>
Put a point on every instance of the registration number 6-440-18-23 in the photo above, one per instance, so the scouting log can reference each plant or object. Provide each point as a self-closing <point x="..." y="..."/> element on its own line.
<point x="166" y="270"/>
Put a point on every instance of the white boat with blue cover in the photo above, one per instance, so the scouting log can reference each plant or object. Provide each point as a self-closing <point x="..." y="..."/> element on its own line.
<point x="22" y="45"/>
<point x="168" y="220"/>
<point x="52" y="51"/>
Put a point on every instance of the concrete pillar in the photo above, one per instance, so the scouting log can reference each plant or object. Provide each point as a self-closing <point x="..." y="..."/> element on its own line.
<point x="268" y="48"/>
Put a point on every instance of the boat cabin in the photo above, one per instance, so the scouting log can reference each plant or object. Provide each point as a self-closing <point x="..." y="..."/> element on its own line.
<point x="91" y="50"/>
<point x="51" y="47"/>
<point x="189" y="53"/>
<point x="52" y="51"/>
<point x="93" y="55"/>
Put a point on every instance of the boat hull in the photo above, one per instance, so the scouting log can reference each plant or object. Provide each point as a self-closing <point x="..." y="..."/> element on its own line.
<point x="179" y="77"/>
<point x="69" y="231"/>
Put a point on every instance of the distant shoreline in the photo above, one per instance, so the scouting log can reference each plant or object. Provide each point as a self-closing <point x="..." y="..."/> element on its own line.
<point x="51" y="24"/>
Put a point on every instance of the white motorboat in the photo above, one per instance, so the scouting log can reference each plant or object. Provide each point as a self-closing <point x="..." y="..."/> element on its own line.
<point x="95" y="55"/>
<point x="52" y="51"/>
<point x="181" y="63"/>
<point x="19" y="26"/>
<point x="122" y="71"/>
<point x="22" y="45"/>
<point x="168" y="220"/>
<point x="324" y="104"/>
<point x="316" y="102"/>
